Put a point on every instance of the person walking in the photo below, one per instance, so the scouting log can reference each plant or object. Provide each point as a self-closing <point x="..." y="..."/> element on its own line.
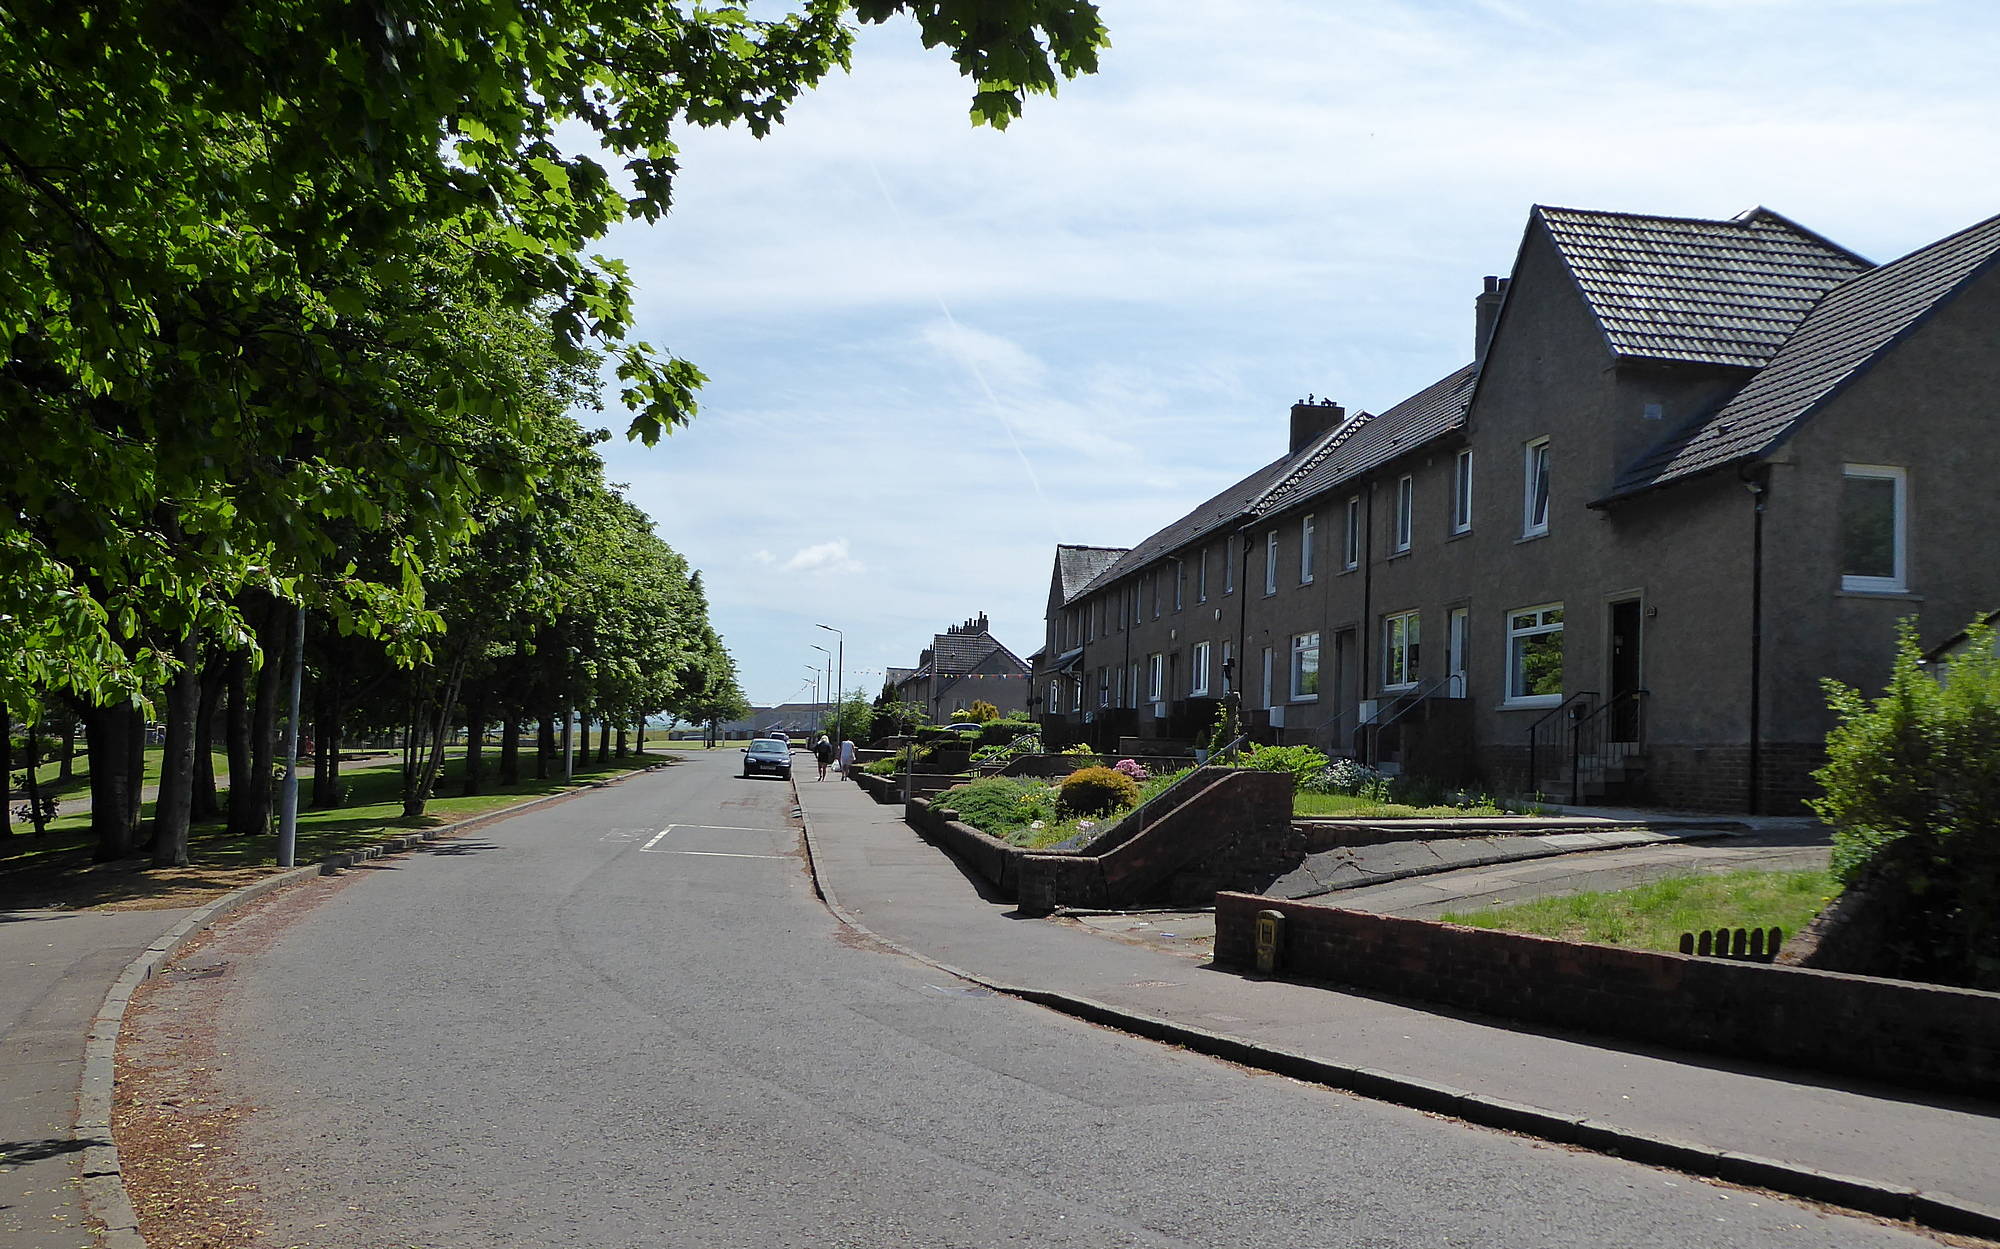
<point x="846" y="757"/>
<point x="823" y="751"/>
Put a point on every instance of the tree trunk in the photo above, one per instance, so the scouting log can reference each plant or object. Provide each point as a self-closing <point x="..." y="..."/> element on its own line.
<point x="203" y="803"/>
<point x="642" y="736"/>
<point x="135" y="763"/>
<point x="475" y="736"/>
<point x="35" y="812"/>
<point x="171" y="808"/>
<point x="110" y="734"/>
<point x="68" y="770"/>
<point x="545" y="747"/>
<point x="6" y="771"/>
<point x="510" y="747"/>
<point x="604" y="739"/>
<point x="622" y="747"/>
<point x="250" y="796"/>
<point x="328" y="712"/>
<point x="422" y="765"/>
<point x="236" y="721"/>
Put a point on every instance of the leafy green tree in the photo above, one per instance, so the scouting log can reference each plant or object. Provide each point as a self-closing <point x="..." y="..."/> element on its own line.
<point x="1912" y="790"/>
<point x="851" y="718"/>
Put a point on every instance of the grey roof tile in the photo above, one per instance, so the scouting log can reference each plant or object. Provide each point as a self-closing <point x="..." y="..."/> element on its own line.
<point x="1368" y="441"/>
<point x="1716" y="292"/>
<point x="1848" y="330"/>
<point x="1078" y="566"/>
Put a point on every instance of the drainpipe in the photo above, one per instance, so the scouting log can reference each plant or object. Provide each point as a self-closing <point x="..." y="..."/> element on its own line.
<point x="1758" y="482"/>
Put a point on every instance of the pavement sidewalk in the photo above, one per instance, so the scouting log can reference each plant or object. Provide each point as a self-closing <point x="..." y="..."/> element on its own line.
<point x="55" y="968"/>
<point x="877" y="872"/>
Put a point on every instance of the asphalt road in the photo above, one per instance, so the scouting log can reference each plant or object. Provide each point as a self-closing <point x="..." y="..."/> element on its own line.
<point x="625" y="1021"/>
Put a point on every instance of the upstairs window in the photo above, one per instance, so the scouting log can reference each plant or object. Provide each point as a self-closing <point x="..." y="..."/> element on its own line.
<point x="1201" y="577"/>
<point x="1535" y="489"/>
<point x="1180" y="582"/>
<point x="1271" y="562"/>
<point x="1461" y="492"/>
<point x="1229" y="567"/>
<point x="1406" y="511"/>
<point x="1350" y="543"/>
<point x="1873" y="525"/>
<point x="1306" y="550"/>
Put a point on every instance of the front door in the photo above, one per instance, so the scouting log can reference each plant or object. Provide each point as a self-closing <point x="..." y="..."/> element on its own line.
<point x="1626" y="624"/>
<point x="1346" y="691"/>
<point x="1455" y="653"/>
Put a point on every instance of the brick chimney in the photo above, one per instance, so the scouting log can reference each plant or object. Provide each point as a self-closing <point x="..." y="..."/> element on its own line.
<point x="1486" y="315"/>
<point x="1312" y="417"/>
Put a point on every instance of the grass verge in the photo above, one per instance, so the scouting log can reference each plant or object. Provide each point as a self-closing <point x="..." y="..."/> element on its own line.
<point x="1653" y="916"/>
<point x="1351" y="807"/>
<point x="56" y="870"/>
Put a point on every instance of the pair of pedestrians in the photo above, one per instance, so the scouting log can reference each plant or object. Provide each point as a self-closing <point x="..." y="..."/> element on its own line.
<point x="827" y="754"/>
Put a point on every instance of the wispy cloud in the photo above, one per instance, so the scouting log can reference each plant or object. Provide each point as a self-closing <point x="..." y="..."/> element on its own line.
<point x="825" y="558"/>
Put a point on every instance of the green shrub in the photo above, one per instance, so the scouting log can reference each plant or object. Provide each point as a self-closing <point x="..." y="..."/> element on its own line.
<point x="1912" y="790"/>
<point x="1096" y="791"/>
<point x="982" y="712"/>
<point x="1000" y="805"/>
<point x="1303" y="762"/>
<point x="1001" y="732"/>
<point x="881" y="767"/>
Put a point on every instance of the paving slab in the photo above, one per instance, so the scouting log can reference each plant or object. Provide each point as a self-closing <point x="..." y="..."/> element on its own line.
<point x="927" y="904"/>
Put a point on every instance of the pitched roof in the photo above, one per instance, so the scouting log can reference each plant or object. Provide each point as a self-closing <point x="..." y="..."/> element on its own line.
<point x="1368" y="441"/>
<point x="1715" y="292"/>
<point x="1844" y="335"/>
<point x="1078" y="566"/>
<point x="1218" y="510"/>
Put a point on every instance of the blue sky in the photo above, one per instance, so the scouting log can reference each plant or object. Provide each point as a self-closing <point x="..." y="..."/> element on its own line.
<point x="934" y="352"/>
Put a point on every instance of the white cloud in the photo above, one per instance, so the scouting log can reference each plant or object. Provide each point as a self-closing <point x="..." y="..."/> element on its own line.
<point x="824" y="557"/>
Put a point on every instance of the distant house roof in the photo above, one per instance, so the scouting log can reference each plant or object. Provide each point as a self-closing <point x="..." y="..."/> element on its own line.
<point x="1841" y="338"/>
<point x="1078" y="566"/>
<point x="1367" y="441"/>
<point x="1715" y="292"/>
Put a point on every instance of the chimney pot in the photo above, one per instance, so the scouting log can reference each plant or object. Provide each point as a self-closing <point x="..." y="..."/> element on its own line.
<point x="1312" y="418"/>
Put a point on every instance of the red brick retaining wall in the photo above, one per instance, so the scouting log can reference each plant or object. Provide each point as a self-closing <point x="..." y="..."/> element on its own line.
<point x="1914" y="1034"/>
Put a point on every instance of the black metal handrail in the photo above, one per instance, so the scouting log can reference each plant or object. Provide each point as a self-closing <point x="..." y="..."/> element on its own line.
<point x="1547" y="731"/>
<point x="1590" y="735"/>
<point x="1368" y="737"/>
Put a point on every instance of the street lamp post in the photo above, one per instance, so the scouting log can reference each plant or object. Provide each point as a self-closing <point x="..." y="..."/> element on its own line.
<point x="828" y="687"/>
<point x="840" y="664"/>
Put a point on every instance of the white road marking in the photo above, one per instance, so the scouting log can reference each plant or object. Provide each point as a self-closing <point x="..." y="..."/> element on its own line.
<point x="721" y="854"/>
<point x="656" y="836"/>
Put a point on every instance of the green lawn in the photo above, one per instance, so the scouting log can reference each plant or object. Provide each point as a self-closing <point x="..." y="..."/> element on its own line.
<point x="58" y="866"/>
<point x="79" y="781"/>
<point x="1653" y="916"/>
<point x="1349" y="807"/>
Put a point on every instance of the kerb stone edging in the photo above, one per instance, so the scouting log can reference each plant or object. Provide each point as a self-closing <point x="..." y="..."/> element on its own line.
<point x="1939" y="1211"/>
<point x="104" y="1195"/>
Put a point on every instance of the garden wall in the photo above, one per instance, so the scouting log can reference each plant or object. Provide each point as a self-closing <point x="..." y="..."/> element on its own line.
<point x="1914" y="1034"/>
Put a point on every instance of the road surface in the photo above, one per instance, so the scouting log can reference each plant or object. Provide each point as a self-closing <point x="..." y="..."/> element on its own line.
<point x="626" y="1020"/>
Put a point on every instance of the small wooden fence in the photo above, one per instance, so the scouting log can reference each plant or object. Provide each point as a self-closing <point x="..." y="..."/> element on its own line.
<point x="1745" y="945"/>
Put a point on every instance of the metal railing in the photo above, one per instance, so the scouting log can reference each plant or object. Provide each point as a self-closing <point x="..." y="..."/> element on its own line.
<point x="1368" y="737"/>
<point x="1607" y="735"/>
<point x="1549" y="735"/>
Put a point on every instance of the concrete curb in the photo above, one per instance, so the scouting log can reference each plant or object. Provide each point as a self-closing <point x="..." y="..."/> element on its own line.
<point x="1937" y="1211"/>
<point x="104" y="1195"/>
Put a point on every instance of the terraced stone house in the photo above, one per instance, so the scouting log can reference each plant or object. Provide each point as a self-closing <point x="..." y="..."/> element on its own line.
<point x="1693" y="467"/>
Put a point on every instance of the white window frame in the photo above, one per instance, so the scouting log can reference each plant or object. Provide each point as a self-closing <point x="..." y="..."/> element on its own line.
<point x="1229" y="567"/>
<point x="1461" y="491"/>
<point x="1155" y="574"/>
<point x="1198" y="668"/>
<point x="1133" y="684"/>
<point x="1406" y="512"/>
<point x="1103" y="688"/>
<point x="1180" y="582"/>
<point x="1899" y="581"/>
<point x="1304" y="644"/>
<point x="1270" y="563"/>
<point x="1201" y="577"/>
<point x="1118" y="686"/>
<point x="1535" y="487"/>
<point x="1406" y="640"/>
<point x="1156" y="677"/>
<point x="1458" y="639"/>
<point x="1306" y="535"/>
<point x="1267" y="676"/>
<point x="1076" y="693"/>
<point x="1351" y="541"/>
<point x="1541" y="628"/>
<point x="1055" y="697"/>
